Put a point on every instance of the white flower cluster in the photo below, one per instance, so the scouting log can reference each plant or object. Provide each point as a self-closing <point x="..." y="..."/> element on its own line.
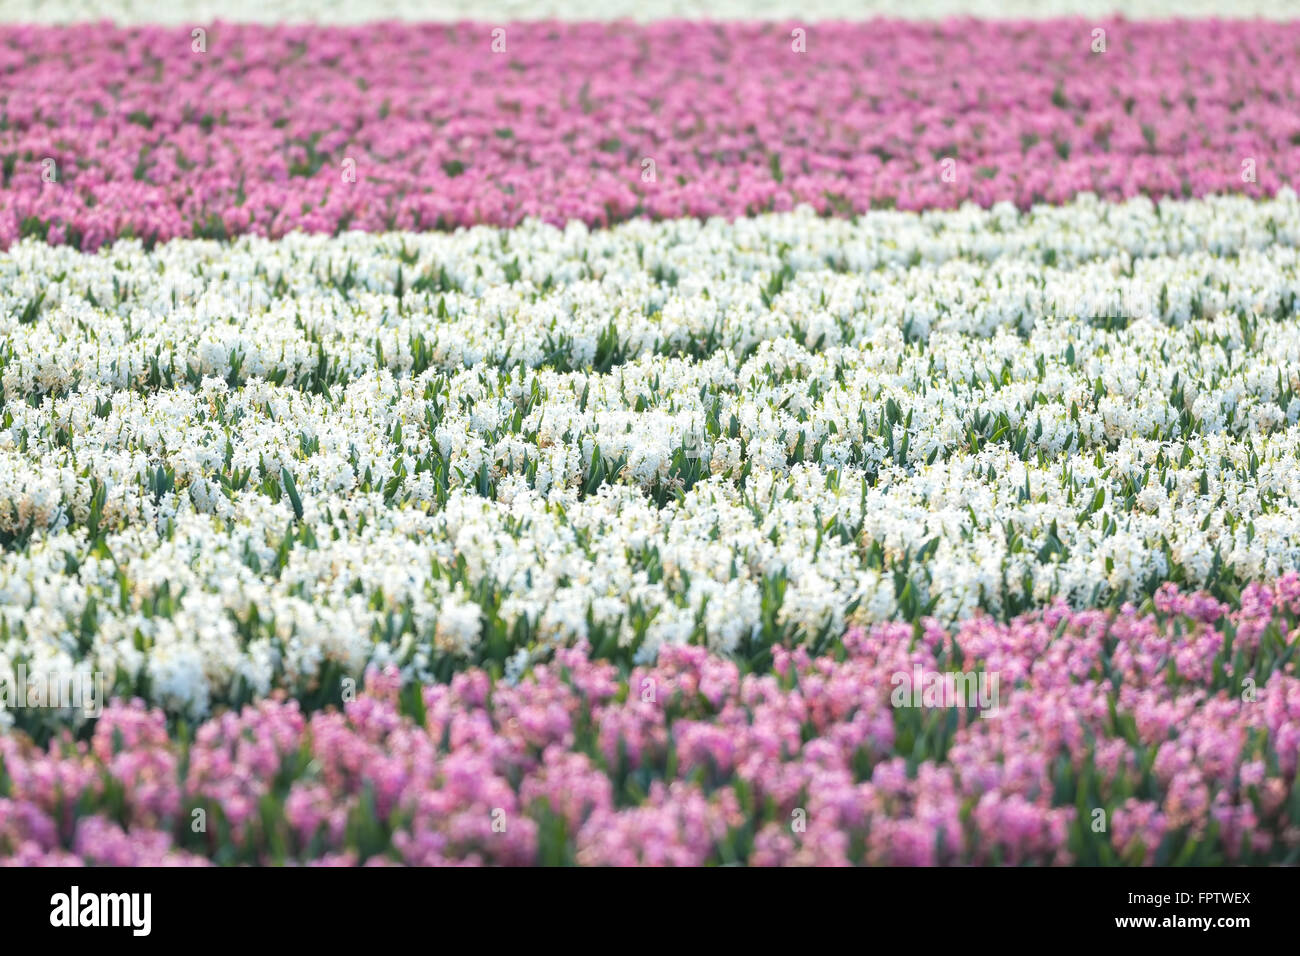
<point x="226" y="468"/>
<point x="352" y="11"/>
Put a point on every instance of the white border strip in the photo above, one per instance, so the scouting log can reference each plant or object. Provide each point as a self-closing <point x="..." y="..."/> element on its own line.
<point x="361" y="11"/>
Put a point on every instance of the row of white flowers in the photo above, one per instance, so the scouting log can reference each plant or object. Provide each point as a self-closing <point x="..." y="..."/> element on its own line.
<point x="229" y="468"/>
<point x="353" y="11"/>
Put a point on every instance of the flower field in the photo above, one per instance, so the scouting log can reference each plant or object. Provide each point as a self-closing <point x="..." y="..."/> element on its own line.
<point x="601" y="123"/>
<point x="649" y="442"/>
<point x="686" y="762"/>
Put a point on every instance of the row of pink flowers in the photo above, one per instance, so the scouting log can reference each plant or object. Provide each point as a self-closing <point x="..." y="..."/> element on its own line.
<point x="156" y="133"/>
<point x="1170" y="736"/>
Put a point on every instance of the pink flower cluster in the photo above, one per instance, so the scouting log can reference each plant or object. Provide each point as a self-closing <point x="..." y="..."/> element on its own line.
<point x="254" y="132"/>
<point x="1170" y="736"/>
